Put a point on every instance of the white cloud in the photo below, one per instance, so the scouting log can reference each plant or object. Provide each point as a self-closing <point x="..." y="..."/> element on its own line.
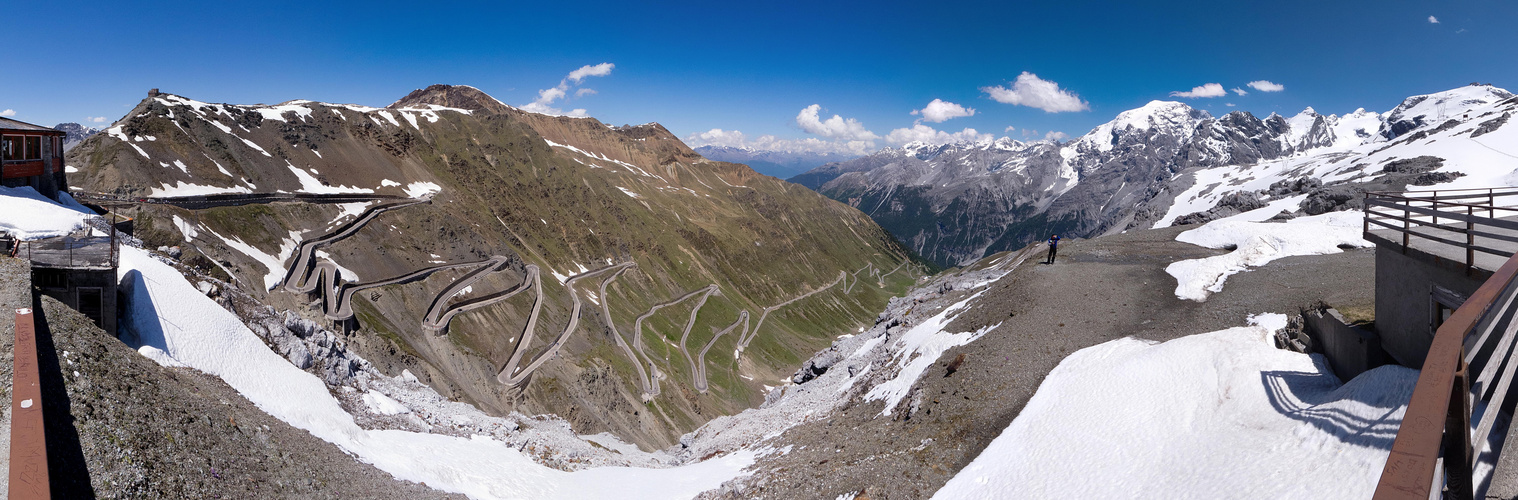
<point x="718" y="137"/>
<point x="1009" y="129"/>
<point x="1266" y="86"/>
<point x="836" y="127"/>
<point x="96" y="119"/>
<point x="602" y="69"/>
<point x="1433" y="20"/>
<point x="8" y="112"/>
<point x="1229" y="104"/>
<point x="1031" y="91"/>
<point x="1240" y="91"/>
<point x="924" y="133"/>
<point x="1056" y="136"/>
<point x="940" y="111"/>
<point x="1208" y="90"/>
<point x="546" y="97"/>
<point x="736" y="139"/>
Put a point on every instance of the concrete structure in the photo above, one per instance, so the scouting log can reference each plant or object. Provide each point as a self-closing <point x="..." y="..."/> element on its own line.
<point x="1350" y="350"/>
<point x="1417" y="288"/>
<point x="31" y="155"/>
<point x="1433" y="250"/>
<point x="79" y="270"/>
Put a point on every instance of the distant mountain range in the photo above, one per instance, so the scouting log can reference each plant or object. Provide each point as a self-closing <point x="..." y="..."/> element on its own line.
<point x="1162" y="162"/>
<point x="781" y="164"/>
<point x="75" y="134"/>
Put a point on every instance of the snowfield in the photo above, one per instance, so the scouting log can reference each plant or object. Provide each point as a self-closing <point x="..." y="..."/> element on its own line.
<point x="27" y="215"/>
<point x="1258" y="243"/>
<point x="1216" y="415"/>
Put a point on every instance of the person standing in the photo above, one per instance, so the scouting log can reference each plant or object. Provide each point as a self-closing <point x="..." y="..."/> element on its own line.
<point x="1053" y="248"/>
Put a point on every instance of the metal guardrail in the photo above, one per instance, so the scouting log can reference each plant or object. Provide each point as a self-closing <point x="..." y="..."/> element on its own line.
<point x="1435" y="450"/>
<point x="28" y="467"/>
<point x="1417" y="214"/>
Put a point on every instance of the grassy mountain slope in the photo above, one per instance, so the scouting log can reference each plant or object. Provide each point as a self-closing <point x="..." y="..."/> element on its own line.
<point x="566" y="194"/>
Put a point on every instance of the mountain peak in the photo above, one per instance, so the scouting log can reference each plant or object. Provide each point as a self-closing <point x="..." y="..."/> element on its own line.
<point x="453" y="96"/>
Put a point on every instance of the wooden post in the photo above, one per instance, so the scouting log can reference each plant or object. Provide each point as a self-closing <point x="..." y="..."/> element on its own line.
<point x="28" y="474"/>
<point x="1470" y="240"/>
<point x="1407" y="217"/>
<point x="1366" y="220"/>
<point x="1434" y="204"/>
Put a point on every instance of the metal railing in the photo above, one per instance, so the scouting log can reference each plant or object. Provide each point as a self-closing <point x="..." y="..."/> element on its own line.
<point x="74" y="251"/>
<point x="1466" y="214"/>
<point x="1436" y="449"/>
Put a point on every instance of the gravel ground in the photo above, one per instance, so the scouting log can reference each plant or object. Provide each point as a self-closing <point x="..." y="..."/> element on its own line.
<point x="1099" y="290"/>
<point x="125" y="427"/>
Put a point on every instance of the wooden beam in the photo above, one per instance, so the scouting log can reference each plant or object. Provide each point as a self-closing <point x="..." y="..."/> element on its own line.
<point x="28" y="474"/>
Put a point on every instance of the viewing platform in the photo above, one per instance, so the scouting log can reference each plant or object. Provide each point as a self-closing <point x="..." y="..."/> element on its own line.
<point x="1445" y="304"/>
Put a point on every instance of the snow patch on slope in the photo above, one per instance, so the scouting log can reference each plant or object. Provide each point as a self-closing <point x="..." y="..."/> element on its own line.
<point x="1258" y="243"/>
<point x="27" y="215"/>
<point x="1216" y="415"/>
<point x="166" y="313"/>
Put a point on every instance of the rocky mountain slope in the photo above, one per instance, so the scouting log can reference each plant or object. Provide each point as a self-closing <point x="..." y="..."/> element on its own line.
<point x="546" y="201"/>
<point x="74" y="134"/>
<point x="956" y="203"/>
<point x="782" y="164"/>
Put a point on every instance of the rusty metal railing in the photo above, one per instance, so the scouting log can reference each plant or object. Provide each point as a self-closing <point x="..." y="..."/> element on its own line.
<point x="28" y="474"/>
<point x="1466" y="213"/>
<point x="1435" y="449"/>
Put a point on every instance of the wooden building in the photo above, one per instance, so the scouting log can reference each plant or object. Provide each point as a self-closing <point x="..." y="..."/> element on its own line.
<point x="31" y="155"/>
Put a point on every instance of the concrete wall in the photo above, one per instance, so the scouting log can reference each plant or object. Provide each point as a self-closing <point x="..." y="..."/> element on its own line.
<point x="1350" y="350"/>
<point x="68" y="285"/>
<point x="1406" y="288"/>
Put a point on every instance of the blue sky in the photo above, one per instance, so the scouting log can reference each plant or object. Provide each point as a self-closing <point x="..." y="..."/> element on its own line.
<point x="753" y="68"/>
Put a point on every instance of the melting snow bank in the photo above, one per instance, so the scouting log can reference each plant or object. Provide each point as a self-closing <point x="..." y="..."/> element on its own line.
<point x="1257" y="244"/>
<point x="1216" y="415"/>
<point x="28" y="215"/>
<point x="172" y="322"/>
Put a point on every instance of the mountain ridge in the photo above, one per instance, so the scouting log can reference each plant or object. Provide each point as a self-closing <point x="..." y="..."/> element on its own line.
<point x="957" y="202"/>
<point x="567" y="195"/>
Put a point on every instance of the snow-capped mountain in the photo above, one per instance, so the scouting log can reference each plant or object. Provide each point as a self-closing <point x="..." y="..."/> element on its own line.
<point x="74" y="134"/>
<point x="956" y="203"/>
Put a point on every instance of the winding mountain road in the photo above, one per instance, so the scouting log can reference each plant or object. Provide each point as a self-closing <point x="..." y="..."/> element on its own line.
<point x="700" y="365"/>
<point x="230" y="199"/>
<point x="513" y="374"/>
<point x="685" y="335"/>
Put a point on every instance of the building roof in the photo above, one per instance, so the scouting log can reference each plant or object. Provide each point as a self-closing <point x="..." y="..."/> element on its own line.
<point x="9" y="124"/>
